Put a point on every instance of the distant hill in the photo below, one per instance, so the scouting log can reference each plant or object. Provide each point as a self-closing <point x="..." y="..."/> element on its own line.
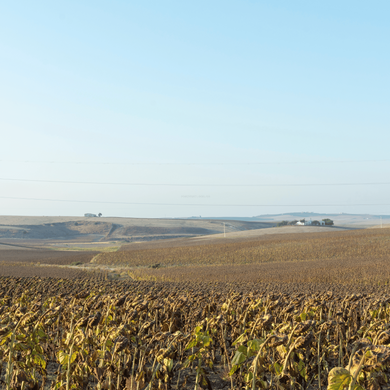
<point x="104" y="229"/>
<point x="306" y="214"/>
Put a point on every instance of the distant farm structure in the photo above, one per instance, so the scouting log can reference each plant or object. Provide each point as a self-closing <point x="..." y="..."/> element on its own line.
<point x="303" y="222"/>
<point x="92" y="215"/>
<point x="311" y="223"/>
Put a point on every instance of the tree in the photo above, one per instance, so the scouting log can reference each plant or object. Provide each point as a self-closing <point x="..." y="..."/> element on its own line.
<point x="328" y="222"/>
<point x="100" y="214"/>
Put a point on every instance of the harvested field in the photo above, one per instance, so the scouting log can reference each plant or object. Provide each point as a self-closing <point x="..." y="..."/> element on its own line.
<point x="331" y="271"/>
<point x="26" y="270"/>
<point x="151" y="230"/>
<point x="46" y="256"/>
<point x="282" y="233"/>
<point x="55" y="230"/>
<point x="113" y="229"/>
<point x="351" y="244"/>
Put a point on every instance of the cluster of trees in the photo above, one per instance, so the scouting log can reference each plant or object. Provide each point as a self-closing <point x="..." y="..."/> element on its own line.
<point x="285" y="223"/>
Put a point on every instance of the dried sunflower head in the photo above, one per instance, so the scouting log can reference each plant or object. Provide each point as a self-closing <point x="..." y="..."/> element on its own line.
<point x="303" y="341"/>
<point x="94" y="321"/>
<point x="302" y="327"/>
<point x="327" y="325"/>
<point x="266" y="320"/>
<point x="121" y="343"/>
<point x="384" y="337"/>
<point x="120" y="301"/>
<point x="277" y="339"/>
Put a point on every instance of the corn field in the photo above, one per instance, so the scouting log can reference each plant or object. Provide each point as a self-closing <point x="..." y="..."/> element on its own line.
<point x="96" y="334"/>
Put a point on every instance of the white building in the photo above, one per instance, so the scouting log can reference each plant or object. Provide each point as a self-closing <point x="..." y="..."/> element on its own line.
<point x="310" y="223"/>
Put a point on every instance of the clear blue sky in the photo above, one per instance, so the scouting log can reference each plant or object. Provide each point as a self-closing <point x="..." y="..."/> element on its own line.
<point x="194" y="82"/>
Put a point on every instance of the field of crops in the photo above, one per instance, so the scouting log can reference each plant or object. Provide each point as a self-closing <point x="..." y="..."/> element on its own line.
<point x="30" y="270"/>
<point x="348" y="271"/>
<point x="46" y="256"/>
<point x="357" y="244"/>
<point x="96" y="334"/>
<point x="300" y="311"/>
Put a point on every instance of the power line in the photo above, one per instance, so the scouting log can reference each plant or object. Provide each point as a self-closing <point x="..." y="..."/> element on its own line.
<point x="194" y="204"/>
<point x="195" y="185"/>
<point x="193" y="163"/>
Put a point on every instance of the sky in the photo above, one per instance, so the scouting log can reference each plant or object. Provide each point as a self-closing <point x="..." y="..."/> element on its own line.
<point x="211" y="108"/>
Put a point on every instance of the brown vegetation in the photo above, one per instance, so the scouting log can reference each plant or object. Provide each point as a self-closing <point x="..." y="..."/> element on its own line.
<point x="55" y="230"/>
<point x="46" y="256"/>
<point x="349" y="271"/>
<point x="93" y="334"/>
<point x="293" y="312"/>
<point x="358" y="244"/>
<point x="29" y="270"/>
